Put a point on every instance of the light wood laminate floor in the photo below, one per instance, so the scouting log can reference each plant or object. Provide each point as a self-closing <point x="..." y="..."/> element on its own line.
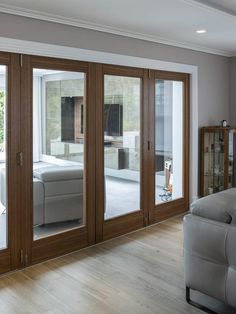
<point x="141" y="272"/>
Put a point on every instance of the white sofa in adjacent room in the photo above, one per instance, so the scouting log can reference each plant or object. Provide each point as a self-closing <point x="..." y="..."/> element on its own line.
<point x="57" y="193"/>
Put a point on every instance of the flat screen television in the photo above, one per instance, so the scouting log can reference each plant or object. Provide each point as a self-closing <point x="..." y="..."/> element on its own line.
<point x="113" y="119"/>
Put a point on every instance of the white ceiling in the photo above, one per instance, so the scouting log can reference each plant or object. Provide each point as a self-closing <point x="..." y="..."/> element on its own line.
<point x="172" y="22"/>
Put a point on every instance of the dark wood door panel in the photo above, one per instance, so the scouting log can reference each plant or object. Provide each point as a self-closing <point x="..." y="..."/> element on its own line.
<point x="121" y="225"/>
<point x="71" y="239"/>
<point x="109" y="228"/>
<point x="59" y="245"/>
<point x="162" y="211"/>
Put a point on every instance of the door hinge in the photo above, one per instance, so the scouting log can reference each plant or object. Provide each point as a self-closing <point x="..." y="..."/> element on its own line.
<point x="149" y="217"/>
<point x="21" y="257"/>
<point x="146" y="221"/>
<point x="21" y="61"/>
<point x="19" y="159"/>
<point x="26" y="259"/>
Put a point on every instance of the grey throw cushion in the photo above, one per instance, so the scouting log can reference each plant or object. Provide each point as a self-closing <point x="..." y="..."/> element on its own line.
<point x="219" y="206"/>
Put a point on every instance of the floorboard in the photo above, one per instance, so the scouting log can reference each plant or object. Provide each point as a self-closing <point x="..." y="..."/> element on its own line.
<point x="139" y="273"/>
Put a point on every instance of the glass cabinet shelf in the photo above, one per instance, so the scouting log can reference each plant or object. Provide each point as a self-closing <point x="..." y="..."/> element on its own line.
<point x="218" y="167"/>
<point x="213" y="174"/>
<point x="216" y="153"/>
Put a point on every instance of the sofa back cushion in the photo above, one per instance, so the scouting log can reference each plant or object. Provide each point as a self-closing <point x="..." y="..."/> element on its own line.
<point x="219" y="206"/>
<point x="58" y="173"/>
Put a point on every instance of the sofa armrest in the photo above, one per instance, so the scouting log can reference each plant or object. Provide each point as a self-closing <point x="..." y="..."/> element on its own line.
<point x="210" y="259"/>
<point x="219" y="206"/>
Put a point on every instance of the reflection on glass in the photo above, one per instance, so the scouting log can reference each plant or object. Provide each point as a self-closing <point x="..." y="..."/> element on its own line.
<point x="168" y="140"/>
<point x="58" y="151"/>
<point x="3" y="179"/>
<point x="121" y="145"/>
<point x="214" y="162"/>
<point x="231" y="161"/>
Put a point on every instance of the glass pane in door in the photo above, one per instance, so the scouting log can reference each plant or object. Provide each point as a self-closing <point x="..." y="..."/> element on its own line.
<point x="121" y="145"/>
<point x="3" y="165"/>
<point x="168" y="140"/>
<point x="58" y="151"/>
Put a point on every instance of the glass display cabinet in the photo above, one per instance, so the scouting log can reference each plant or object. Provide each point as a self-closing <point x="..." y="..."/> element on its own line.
<point x="218" y="166"/>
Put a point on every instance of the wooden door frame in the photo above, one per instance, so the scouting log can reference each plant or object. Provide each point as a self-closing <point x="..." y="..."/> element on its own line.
<point x="106" y="229"/>
<point x="10" y="257"/>
<point x="168" y="209"/>
<point x="69" y="240"/>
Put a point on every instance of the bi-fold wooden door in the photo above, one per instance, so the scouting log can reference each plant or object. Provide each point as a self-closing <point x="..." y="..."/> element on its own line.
<point x="87" y="152"/>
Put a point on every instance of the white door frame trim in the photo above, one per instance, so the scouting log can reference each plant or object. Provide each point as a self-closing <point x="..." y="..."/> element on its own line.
<point x="48" y="50"/>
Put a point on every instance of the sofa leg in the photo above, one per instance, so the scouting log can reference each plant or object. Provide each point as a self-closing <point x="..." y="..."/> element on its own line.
<point x="197" y="305"/>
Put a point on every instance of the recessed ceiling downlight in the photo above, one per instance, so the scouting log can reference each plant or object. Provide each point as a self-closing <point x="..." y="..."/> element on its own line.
<point x="201" y="31"/>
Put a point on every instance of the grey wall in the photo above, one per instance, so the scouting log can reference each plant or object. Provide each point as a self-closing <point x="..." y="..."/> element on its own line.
<point x="213" y="70"/>
<point x="232" y="107"/>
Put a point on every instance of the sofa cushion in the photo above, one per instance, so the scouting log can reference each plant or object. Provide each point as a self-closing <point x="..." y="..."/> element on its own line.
<point x="58" y="173"/>
<point x="53" y="188"/>
<point x="63" y="208"/>
<point x="219" y="206"/>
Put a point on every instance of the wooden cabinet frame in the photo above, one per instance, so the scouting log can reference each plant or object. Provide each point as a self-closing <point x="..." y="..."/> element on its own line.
<point x="225" y="132"/>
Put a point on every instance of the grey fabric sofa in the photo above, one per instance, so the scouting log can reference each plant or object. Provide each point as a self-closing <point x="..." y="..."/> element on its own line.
<point x="210" y="247"/>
